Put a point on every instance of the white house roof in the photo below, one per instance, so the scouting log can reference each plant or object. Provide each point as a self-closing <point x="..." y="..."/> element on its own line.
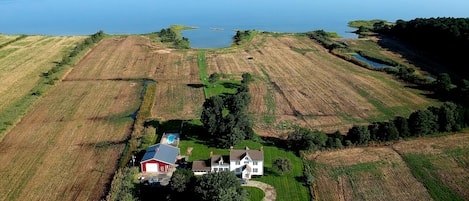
<point x="161" y="152"/>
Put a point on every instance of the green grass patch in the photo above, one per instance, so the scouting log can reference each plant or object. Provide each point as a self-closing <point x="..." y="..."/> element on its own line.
<point x="202" y="62"/>
<point x="255" y="194"/>
<point x="364" y="23"/>
<point x="289" y="186"/>
<point x="426" y="173"/>
<point x="460" y="155"/>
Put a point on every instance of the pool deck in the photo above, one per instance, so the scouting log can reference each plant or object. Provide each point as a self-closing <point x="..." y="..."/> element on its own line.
<point x="175" y="142"/>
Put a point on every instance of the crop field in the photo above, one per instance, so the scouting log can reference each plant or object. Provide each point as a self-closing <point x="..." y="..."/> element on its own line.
<point x="421" y="169"/>
<point x="299" y="83"/>
<point x="441" y="164"/>
<point x="366" y="174"/>
<point x="179" y="92"/>
<point x="67" y="147"/>
<point x="22" y="62"/>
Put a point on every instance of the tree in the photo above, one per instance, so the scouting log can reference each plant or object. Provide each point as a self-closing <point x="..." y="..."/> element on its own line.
<point x="306" y="139"/>
<point x="226" y="118"/>
<point x="359" y="135"/>
<point x="220" y="186"/>
<point x="422" y="122"/>
<point x="443" y="84"/>
<point x="283" y="165"/>
<point x="212" y="114"/>
<point x="448" y="117"/>
<point x="182" y="180"/>
<point x="213" y="78"/>
<point x="402" y="126"/>
<point x="247" y="78"/>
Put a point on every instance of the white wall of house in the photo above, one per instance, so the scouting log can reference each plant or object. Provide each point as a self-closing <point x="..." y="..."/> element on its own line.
<point x="256" y="165"/>
<point x="220" y="167"/>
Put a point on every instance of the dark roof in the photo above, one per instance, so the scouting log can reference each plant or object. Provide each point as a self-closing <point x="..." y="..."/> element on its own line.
<point x="216" y="158"/>
<point x="161" y="152"/>
<point x="257" y="155"/>
<point x="200" y="166"/>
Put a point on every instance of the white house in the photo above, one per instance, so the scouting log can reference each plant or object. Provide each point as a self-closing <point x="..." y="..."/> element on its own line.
<point x="247" y="162"/>
<point x="244" y="162"/>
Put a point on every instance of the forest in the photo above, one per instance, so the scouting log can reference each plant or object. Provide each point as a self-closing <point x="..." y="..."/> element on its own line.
<point x="444" y="38"/>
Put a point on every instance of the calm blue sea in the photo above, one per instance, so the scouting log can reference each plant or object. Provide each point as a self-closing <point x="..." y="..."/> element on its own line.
<point x="84" y="17"/>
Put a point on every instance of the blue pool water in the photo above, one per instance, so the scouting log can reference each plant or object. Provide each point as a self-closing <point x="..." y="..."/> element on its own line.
<point x="171" y="139"/>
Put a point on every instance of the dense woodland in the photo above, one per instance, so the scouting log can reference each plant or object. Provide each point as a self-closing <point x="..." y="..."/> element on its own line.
<point x="445" y="39"/>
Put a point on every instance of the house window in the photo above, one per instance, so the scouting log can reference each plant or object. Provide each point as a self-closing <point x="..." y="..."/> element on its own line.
<point x="246" y="162"/>
<point x="215" y="169"/>
<point x="238" y="162"/>
<point x="238" y="169"/>
<point x="254" y="169"/>
<point x="254" y="163"/>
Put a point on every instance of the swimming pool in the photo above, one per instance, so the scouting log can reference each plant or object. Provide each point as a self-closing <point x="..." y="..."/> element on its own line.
<point x="170" y="139"/>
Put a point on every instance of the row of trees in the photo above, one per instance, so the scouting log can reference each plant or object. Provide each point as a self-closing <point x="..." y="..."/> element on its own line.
<point x="449" y="117"/>
<point x="225" y="117"/>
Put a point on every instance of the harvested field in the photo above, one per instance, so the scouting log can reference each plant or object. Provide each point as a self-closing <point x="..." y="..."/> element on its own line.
<point x="67" y="147"/>
<point x="300" y="83"/>
<point x="448" y="157"/>
<point x="23" y="61"/>
<point x="135" y="57"/>
<point x="366" y="174"/>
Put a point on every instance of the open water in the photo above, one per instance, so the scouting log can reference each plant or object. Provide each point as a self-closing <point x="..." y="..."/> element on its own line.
<point x="216" y="19"/>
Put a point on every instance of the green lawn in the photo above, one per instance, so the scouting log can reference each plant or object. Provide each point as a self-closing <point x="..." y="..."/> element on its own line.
<point x="256" y="194"/>
<point x="289" y="186"/>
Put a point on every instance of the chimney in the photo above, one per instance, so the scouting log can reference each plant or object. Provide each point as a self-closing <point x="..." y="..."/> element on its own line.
<point x="231" y="147"/>
<point x="211" y="154"/>
<point x="247" y="148"/>
<point x="261" y="149"/>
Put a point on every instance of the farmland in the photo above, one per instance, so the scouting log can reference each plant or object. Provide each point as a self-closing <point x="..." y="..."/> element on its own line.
<point x="421" y="169"/>
<point x="22" y="62"/>
<point x="300" y="83"/>
<point x="77" y="131"/>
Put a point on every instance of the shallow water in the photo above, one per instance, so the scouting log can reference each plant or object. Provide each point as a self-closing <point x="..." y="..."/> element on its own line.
<point x="84" y="17"/>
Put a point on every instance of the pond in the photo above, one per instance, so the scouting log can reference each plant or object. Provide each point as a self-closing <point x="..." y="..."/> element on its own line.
<point x="216" y="19"/>
<point x="372" y="63"/>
